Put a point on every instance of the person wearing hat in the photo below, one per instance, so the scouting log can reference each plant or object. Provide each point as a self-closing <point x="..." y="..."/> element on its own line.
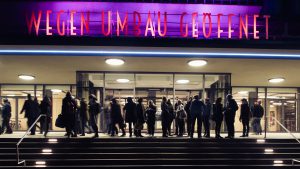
<point x="94" y="109"/>
<point x="245" y="116"/>
<point x="6" y="115"/>
<point x="230" y="111"/>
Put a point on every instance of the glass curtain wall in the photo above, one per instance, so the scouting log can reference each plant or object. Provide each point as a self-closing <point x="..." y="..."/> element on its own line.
<point x="152" y="86"/>
<point x="17" y="94"/>
<point x="280" y="104"/>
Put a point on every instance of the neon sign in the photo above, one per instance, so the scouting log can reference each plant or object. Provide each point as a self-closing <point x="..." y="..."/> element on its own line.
<point x="135" y="22"/>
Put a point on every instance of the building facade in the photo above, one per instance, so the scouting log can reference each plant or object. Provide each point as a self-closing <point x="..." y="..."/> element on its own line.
<point x="241" y="48"/>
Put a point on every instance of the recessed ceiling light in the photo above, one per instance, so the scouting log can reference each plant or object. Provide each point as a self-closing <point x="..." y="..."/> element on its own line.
<point x="123" y="80"/>
<point x="40" y="162"/>
<point x="115" y="62"/>
<point x="277" y="80"/>
<point x="268" y="150"/>
<point x="182" y="81"/>
<point x="26" y="77"/>
<point x="56" y="90"/>
<point x="197" y="63"/>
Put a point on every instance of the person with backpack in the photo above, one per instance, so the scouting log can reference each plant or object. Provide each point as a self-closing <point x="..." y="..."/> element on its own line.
<point x="230" y="112"/>
<point x="180" y="116"/>
<point x="94" y="110"/>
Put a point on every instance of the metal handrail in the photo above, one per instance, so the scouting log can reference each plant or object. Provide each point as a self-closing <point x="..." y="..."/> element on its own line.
<point x="22" y="138"/>
<point x="287" y="130"/>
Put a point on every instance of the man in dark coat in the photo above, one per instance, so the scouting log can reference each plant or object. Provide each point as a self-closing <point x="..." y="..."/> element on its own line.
<point x="68" y="111"/>
<point x="257" y="114"/>
<point x="188" y="113"/>
<point x="116" y="118"/>
<point x="164" y="116"/>
<point x="6" y="115"/>
<point x="30" y="114"/>
<point x="230" y="111"/>
<point x="196" y="109"/>
<point x="130" y="114"/>
<point x="244" y="117"/>
<point x="94" y="110"/>
<point x="140" y="117"/>
<point x="150" y="113"/>
<point x="206" y="118"/>
<point x="45" y="107"/>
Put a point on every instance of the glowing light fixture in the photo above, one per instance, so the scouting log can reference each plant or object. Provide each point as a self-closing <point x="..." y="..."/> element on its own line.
<point x="47" y="151"/>
<point x="277" y="80"/>
<point x="11" y="95"/>
<point x="260" y="140"/>
<point x="40" y="162"/>
<point x="268" y="150"/>
<point x="182" y="81"/>
<point x="26" y="77"/>
<point x="123" y="80"/>
<point x="197" y="63"/>
<point x="52" y="140"/>
<point x="115" y="62"/>
<point x="278" y="162"/>
<point x="56" y="90"/>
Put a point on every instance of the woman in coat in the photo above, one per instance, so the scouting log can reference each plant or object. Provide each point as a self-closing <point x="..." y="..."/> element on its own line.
<point x="150" y="114"/>
<point x="130" y="114"/>
<point x="140" y="117"/>
<point x="218" y="116"/>
<point x="68" y="111"/>
<point x="45" y="107"/>
<point x="245" y="117"/>
<point x="171" y="116"/>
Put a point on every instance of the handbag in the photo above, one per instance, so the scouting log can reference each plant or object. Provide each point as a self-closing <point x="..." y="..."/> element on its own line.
<point x="59" y="122"/>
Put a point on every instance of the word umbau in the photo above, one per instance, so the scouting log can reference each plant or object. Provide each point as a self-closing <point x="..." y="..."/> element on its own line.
<point x="150" y="29"/>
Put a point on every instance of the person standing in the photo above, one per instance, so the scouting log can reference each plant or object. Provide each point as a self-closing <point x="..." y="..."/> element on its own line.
<point x="196" y="109"/>
<point x="171" y="116"/>
<point x="116" y="118"/>
<point x="83" y="115"/>
<point x="244" y="117"/>
<point x="6" y="115"/>
<point x="68" y="111"/>
<point x="188" y="113"/>
<point x="150" y="114"/>
<point x="180" y="116"/>
<point x="28" y="107"/>
<point x="164" y="116"/>
<point x="206" y="118"/>
<point x="257" y="114"/>
<point x="140" y="117"/>
<point x="218" y="116"/>
<point x="230" y="111"/>
<point x="130" y="114"/>
<point x="94" y="110"/>
<point x="45" y="107"/>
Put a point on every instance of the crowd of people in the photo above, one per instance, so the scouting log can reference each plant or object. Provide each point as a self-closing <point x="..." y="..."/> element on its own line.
<point x="77" y="115"/>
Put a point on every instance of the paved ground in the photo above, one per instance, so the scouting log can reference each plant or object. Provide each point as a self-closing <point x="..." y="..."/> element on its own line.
<point x="61" y="135"/>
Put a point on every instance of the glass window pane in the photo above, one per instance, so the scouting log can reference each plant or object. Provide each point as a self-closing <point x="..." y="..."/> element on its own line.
<point x="154" y="80"/>
<point x="119" y="81"/>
